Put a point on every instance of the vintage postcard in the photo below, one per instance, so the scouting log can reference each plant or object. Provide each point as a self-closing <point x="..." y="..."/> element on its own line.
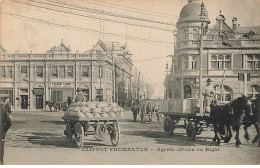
<point x="130" y="82"/>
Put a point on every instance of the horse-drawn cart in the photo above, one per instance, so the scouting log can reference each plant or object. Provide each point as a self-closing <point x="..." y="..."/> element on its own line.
<point x="81" y="128"/>
<point x="187" y="109"/>
<point x="148" y="110"/>
<point x="92" y="118"/>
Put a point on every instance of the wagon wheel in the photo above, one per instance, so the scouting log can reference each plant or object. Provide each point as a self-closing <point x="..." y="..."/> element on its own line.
<point x="79" y="134"/>
<point x="100" y="132"/>
<point x="168" y="126"/>
<point x="115" y="134"/>
<point x="191" y="130"/>
<point x="68" y="133"/>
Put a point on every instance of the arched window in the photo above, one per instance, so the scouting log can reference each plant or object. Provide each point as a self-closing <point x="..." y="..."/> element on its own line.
<point x="223" y="94"/>
<point x="253" y="91"/>
<point x="185" y="34"/>
<point x="220" y="36"/>
<point x="187" y="92"/>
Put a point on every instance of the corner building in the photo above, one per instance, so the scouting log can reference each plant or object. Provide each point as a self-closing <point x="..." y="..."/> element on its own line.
<point x="231" y="53"/>
<point x="32" y="79"/>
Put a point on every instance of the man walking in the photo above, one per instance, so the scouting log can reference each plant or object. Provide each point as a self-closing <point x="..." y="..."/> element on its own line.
<point x="209" y="93"/>
<point x="135" y="109"/>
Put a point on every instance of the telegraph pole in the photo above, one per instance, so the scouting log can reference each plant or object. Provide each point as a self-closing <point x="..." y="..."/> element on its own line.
<point x="201" y="68"/>
<point x="114" y="74"/>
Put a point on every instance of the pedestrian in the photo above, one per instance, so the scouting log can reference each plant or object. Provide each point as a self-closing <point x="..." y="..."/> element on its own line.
<point x="135" y="110"/>
<point x="69" y="100"/>
<point x="5" y="124"/>
<point x="209" y="95"/>
<point x="79" y="97"/>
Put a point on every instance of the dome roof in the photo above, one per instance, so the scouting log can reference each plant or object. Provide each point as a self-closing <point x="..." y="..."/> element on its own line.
<point x="191" y="12"/>
<point x="220" y="17"/>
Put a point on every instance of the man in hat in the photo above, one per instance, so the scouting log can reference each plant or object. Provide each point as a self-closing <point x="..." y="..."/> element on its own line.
<point x="79" y="97"/>
<point x="5" y="123"/>
<point x="209" y="93"/>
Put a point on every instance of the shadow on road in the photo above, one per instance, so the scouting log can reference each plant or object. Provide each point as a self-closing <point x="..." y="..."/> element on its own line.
<point x="177" y="139"/>
<point x="48" y="140"/>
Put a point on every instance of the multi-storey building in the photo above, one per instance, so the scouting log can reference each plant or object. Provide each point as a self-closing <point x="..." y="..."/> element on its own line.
<point x="32" y="79"/>
<point x="230" y="56"/>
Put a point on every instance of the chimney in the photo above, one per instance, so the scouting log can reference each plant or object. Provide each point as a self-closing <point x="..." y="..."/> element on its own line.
<point x="234" y="21"/>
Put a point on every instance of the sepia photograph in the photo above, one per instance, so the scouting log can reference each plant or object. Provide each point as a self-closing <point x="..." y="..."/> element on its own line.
<point x="130" y="82"/>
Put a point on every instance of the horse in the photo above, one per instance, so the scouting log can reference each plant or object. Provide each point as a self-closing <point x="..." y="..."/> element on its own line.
<point x="255" y="120"/>
<point x="232" y="114"/>
<point x="220" y="116"/>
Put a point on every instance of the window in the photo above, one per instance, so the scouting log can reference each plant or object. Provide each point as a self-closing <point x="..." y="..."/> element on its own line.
<point x="195" y="34"/>
<point x="39" y="71"/>
<point x="55" y="71"/>
<point x="10" y="93"/>
<point x="70" y="71"/>
<point x="100" y="72"/>
<point x="187" y="92"/>
<point x="85" y="92"/>
<point x="24" y="71"/>
<point x="186" y="62"/>
<point x="62" y="71"/>
<point x="186" y="34"/>
<point x="99" y="95"/>
<point x="194" y="62"/>
<point x="253" y="91"/>
<point x="190" y="62"/>
<point x="2" y="72"/>
<point x="220" y="62"/>
<point x="85" y="71"/>
<point x="56" y="96"/>
<point x="253" y="61"/>
<point x="226" y="93"/>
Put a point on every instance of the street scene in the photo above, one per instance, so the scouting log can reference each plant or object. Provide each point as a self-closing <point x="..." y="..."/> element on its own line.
<point x="172" y="82"/>
<point x="40" y="139"/>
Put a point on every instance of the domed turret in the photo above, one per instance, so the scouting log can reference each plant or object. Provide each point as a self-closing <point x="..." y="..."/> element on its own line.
<point x="193" y="12"/>
<point x="220" y="17"/>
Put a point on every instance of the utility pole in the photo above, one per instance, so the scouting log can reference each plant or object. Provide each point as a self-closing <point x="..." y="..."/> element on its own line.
<point x="201" y="68"/>
<point x="114" y="74"/>
<point x="91" y="76"/>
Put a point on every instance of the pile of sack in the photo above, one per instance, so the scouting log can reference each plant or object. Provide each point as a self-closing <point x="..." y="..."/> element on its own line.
<point x="93" y="110"/>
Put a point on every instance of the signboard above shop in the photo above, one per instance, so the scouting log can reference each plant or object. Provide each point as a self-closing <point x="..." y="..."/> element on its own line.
<point x="38" y="91"/>
<point x="62" y="85"/>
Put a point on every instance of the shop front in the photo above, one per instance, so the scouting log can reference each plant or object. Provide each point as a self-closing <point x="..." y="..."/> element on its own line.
<point x="60" y="92"/>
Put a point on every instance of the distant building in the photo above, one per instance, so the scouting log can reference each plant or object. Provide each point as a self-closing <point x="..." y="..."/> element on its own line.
<point x="233" y="49"/>
<point x="32" y="79"/>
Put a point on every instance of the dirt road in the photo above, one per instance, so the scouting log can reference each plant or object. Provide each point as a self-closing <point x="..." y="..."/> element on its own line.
<point x="37" y="138"/>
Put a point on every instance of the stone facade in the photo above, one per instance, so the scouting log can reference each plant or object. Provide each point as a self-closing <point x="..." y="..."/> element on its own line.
<point x="32" y="79"/>
<point x="229" y="53"/>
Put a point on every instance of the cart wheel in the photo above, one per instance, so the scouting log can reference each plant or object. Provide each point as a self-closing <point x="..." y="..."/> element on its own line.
<point x="191" y="131"/>
<point x="100" y="133"/>
<point x="115" y="134"/>
<point x="68" y="133"/>
<point x="168" y="126"/>
<point x="79" y="134"/>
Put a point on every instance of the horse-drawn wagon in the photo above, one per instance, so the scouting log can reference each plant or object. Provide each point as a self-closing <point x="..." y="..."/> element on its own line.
<point x="92" y="118"/>
<point x="187" y="109"/>
<point x="148" y="110"/>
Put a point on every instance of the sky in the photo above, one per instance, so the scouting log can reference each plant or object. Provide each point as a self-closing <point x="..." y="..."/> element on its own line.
<point x="16" y="33"/>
